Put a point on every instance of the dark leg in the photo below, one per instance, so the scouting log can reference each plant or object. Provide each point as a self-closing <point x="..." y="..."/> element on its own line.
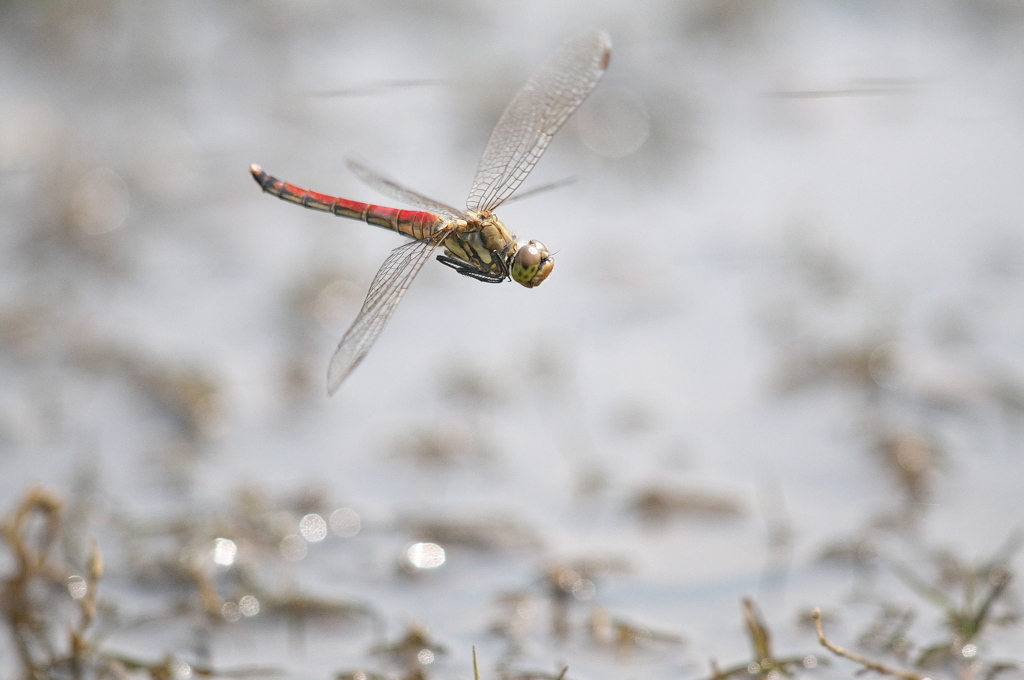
<point x="464" y="269"/>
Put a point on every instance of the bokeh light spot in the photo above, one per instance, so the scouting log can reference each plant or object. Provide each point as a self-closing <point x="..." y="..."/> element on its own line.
<point x="249" y="606"/>
<point x="230" y="612"/>
<point x="345" y="522"/>
<point x="77" y="587"/>
<point x="224" y="551"/>
<point x="313" y="528"/>
<point x="425" y="555"/>
<point x="293" y="548"/>
<point x="100" y="201"/>
<point x="181" y="670"/>
<point x="614" y="122"/>
<point x="584" y="589"/>
<point x="567" y="579"/>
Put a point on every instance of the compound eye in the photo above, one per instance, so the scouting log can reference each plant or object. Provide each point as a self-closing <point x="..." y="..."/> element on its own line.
<point x="525" y="264"/>
<point x="532" y="264"/>
<point x="540" y="248"/>
<point x="529" y="256"/>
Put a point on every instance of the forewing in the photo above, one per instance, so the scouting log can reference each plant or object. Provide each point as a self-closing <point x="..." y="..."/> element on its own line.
<point x="390" y="187"/>
<point x="386" y="291"/>
<point x="534" y="115"/>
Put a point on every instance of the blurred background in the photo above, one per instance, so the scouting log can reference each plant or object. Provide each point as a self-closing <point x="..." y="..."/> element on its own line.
<point x="781" y="355"/>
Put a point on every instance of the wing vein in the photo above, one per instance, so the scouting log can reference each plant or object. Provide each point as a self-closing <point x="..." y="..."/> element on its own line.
<point x="535" y="114"/>
<point x="389" y="286"/>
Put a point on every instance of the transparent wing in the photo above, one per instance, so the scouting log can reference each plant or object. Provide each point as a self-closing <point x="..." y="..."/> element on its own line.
<point x="542" y="189"/>
<point x="390" y="187"/>
<point x="534" y="115"/>
<point x="386" y="291"/>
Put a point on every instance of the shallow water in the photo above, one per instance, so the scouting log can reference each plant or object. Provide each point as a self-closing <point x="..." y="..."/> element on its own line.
<point x="794" y="236"/>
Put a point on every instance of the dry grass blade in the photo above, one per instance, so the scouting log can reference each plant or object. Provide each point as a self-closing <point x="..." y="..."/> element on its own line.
<point x="50" y="604"/>
<point x="764" y="663"/>
<point x="170" y="667"/>
<point x="759" y="635"/>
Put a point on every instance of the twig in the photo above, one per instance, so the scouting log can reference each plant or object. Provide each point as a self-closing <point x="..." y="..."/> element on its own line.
<point x="857" y="658"/>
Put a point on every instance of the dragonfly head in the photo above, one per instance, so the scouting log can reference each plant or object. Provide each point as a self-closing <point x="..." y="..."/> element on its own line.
<point x="531" y="264"/>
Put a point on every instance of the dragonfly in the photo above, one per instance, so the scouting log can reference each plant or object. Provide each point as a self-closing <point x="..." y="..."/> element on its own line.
<point x="475" y="242"/>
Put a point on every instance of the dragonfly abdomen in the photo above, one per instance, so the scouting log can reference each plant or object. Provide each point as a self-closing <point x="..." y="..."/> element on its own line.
<point x="416" y="224"/>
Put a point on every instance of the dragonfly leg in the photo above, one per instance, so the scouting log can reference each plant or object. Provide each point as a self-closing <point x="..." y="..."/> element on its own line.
<point x="465" y="270"/>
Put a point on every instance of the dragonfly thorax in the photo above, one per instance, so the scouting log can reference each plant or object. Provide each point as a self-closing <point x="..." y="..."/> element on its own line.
<point x="482" y="248"/>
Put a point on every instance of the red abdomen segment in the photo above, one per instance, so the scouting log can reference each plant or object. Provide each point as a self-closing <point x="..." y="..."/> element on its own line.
<point x="414" y="223"/>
